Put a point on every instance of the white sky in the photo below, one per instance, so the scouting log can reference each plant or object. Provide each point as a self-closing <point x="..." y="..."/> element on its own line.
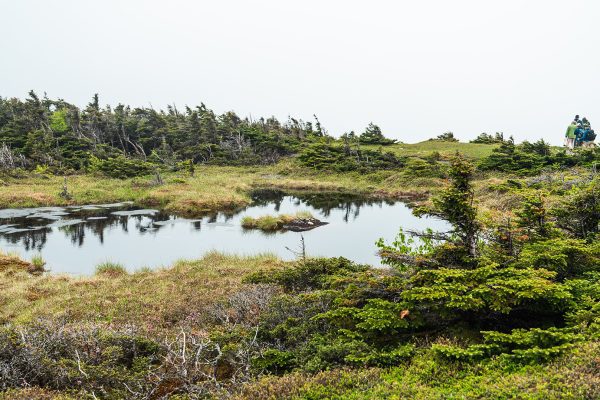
<point x="415" y="68"/>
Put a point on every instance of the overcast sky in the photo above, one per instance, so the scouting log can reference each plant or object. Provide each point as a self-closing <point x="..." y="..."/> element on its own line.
<point x="415" y="68"/>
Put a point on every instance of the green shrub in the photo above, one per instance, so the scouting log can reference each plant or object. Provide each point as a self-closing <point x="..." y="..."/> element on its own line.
<point x="485" y="138"/>
<point x="417" y="168"/>
<point x="567" y="257"/>
<point x="446" y="137"/>
<point x="323" y="156"/>
<point x="373" y="135"/>
<point x="313" y="273"/>
<point x="120" y="167"/>
<point x="585" y="307"/>
<point x="532" y="158"/>
<point x="530" y="346"/>
<point x="579" y="211"/>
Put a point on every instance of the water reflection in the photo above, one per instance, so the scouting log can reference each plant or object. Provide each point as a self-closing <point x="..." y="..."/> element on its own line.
<point x="31" y="230"/>
<point x="75" y="239"/>
<point x="325" y="202"/>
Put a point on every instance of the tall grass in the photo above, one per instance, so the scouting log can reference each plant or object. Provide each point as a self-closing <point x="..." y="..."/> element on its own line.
<point x="38" y="263"/>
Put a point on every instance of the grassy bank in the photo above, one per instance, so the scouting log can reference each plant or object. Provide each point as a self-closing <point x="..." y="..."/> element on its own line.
<point x="155" y="300"/>
<point x="228" y="188"/>
<point x="211" y="188"/>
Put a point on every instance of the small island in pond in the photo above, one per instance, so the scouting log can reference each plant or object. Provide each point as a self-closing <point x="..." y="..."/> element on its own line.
<point x="299" y="222"/>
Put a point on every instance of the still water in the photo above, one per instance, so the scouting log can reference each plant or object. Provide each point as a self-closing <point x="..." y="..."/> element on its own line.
<point x="76" y="239"/>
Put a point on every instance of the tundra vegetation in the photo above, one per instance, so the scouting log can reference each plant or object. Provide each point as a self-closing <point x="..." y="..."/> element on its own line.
<point x="302" y="220"/>
<point x="505" y="305"/>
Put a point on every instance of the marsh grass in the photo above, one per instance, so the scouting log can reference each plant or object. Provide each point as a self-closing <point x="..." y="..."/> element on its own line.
<point x="38" y="264"/>
<point x="157" y="300"/>
<point x="12" y="264"/>
<point x="110" y="268"/>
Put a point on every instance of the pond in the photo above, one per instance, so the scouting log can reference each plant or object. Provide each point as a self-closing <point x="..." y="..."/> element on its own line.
<point x="76" y="239"/>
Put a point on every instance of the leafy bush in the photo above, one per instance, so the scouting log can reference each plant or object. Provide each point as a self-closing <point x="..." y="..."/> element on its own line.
<point x="531" y="158"/>
<point x="429" y="168"/>
<point x="485" y="290"/>
<point x="567" y="257"/>
<point x="308" y="275"/>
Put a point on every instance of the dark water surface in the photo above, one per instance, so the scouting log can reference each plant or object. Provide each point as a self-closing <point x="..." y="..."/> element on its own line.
<point x="76" y="239"/>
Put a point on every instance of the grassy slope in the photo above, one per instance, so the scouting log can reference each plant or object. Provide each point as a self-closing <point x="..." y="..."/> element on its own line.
<point x="446" y="149"/>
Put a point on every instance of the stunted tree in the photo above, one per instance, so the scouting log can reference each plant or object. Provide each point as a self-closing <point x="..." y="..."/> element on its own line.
<point x="456" y="248"/>
<point x="455" y="205"/>
<point x="373" y="135"/>
<point x="579" y="212"/>
<point x="446" y="137"/>
<point x="485" y="138"/>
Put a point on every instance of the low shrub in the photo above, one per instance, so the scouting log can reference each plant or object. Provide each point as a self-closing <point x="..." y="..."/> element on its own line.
<point x="529" y="346"/>
<point x="120" y="167"/>
<point x="323" y="156"/>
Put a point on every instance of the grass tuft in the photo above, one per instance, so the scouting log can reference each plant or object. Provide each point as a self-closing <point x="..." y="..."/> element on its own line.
<point x="110" y="268"/>
<point x="38" y="264"/>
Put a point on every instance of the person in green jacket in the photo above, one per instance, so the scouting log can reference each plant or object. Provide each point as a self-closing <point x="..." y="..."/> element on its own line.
<point x="570" y="135"/>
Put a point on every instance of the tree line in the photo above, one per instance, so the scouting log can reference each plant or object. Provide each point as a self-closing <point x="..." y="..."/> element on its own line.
<point x="58" y="134"/>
